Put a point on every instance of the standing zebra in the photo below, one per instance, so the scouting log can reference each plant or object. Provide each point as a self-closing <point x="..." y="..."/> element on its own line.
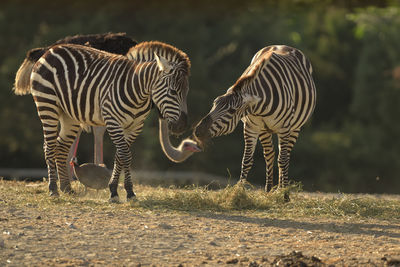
<point x="74" y="85"/>
<point x="117" y="43"/>
<point x="275" y="95"/>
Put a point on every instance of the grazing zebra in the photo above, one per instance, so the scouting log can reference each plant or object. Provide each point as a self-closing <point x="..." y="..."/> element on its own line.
<point x="74" y="85"/>
<point x="275" y="95"/>
<point x="117" y="43"/>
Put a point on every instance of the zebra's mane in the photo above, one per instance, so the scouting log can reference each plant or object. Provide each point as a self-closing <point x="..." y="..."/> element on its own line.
<point x="145" y="52"/>
<point x="250" y="73"/>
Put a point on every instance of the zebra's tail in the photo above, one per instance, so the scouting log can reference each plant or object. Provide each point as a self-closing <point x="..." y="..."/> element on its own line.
<point x="23" y="76"/>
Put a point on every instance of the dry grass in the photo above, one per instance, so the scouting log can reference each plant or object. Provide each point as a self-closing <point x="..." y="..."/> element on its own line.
<point x="241" y="198"/>
<point x="237" y="198"/>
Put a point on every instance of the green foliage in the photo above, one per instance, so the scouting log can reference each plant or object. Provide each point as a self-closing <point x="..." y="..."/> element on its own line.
<point x="350" y="145"/>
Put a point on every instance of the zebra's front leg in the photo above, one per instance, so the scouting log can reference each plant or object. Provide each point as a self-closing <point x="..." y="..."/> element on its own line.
<point x="269" y="157"/>
<point x="250" y="141"/>
<point x="122" y="162"/>
<point x="114" y="181"/>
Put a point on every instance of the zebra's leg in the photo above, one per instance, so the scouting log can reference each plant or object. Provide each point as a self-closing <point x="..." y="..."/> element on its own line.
<point x="286" y="143"/>
<point x="269" y="157"/>
<point x="122" y="162"/>
<point x="114" y="180"/>
<point x="250" y="142"/>
<point x="134" y="133"/>
<point x="67" y="135"/>
<point x="50" y="133"/>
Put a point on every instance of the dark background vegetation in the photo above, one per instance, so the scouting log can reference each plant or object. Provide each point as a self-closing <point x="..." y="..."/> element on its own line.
<point x="351" y="143"/>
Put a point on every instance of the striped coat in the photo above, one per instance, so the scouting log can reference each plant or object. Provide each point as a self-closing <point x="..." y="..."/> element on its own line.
<point x="75" y="85"/>
<point x="275" y="95"/>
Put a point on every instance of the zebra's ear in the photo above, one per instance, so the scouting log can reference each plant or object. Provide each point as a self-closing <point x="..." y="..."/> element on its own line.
<point x="163" y="64"/>
<point x="249" y="99"/>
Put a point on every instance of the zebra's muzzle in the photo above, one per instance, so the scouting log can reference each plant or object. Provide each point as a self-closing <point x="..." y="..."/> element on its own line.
<point x="202" y="131"/>
<point x="178" y="127"/>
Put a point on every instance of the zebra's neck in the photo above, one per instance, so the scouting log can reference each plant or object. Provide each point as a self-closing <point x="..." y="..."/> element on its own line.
<point x="250" y="91"/>
<point x="135" y="83"/>
<point x="145" y="52"/>
<point x="133" y="91"/>
<point x="146" y="75"/>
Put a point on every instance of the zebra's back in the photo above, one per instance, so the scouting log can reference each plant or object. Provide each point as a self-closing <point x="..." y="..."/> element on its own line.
<point x="76" y="79"/>
<point x="284" y="83"/>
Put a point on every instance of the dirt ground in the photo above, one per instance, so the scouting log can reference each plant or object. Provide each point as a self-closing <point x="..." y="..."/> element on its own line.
<point x="72" y="235"/>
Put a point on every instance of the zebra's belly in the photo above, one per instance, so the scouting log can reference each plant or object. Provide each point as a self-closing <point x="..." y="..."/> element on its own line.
<point x="264" y="123"/>
<point x="86" y="112"/>
<point x="89" y="119"/>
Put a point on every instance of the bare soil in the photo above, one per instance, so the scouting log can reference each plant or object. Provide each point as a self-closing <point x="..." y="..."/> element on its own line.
<point x="105" y="234"/>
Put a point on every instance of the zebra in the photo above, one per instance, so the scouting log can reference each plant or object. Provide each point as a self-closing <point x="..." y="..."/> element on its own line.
<point x="117" y="43"/>
<point x="275" y="95"/>
<point x="74" y="85"/>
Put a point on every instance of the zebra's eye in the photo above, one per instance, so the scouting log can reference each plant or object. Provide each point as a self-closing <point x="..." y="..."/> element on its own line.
<point x="172" y="91"/>
<point x="231" y="110"/>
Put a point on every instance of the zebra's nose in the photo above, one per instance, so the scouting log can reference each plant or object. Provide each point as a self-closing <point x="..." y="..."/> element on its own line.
<point x="180" y="125"/>
<point x="202" y="129"/>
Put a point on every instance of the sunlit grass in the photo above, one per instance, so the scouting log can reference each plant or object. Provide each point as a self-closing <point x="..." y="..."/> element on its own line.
<point x="237" y="198"/>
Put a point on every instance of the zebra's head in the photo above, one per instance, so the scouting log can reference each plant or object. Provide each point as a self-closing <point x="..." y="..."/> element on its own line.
<point x="170" y="93"/>
<point x="225" y="114"/>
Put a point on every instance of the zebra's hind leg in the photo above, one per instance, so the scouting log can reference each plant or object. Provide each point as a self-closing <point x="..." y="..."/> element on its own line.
<point x="67" y="135"/>
<point x="286" y="143"/>
<point x="269" y="157"/>
<point x="50" y="133"/>
<point x="250" y="141"/>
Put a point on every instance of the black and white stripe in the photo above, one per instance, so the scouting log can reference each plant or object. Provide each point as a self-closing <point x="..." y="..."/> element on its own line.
<point x="275" y="95"/>
<point x="75" y="85"/>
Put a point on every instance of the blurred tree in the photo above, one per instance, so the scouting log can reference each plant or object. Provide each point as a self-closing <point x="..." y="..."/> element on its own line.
<point x="353" y="46"/>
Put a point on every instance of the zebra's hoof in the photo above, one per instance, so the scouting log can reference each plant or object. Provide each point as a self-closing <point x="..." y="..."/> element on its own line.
<point x="268" y="188"/>
<point x="132" y="200"/>
<point x="54" y="193"/>
<point x="71" y="192"/>
<point x="286" y="197"/>
<point x="114" y="199"/>
<point x="246" y="185"/>
<point x="66" y="189"/>
<point x="242" y="181"/>
<point x="130" y="195"/>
